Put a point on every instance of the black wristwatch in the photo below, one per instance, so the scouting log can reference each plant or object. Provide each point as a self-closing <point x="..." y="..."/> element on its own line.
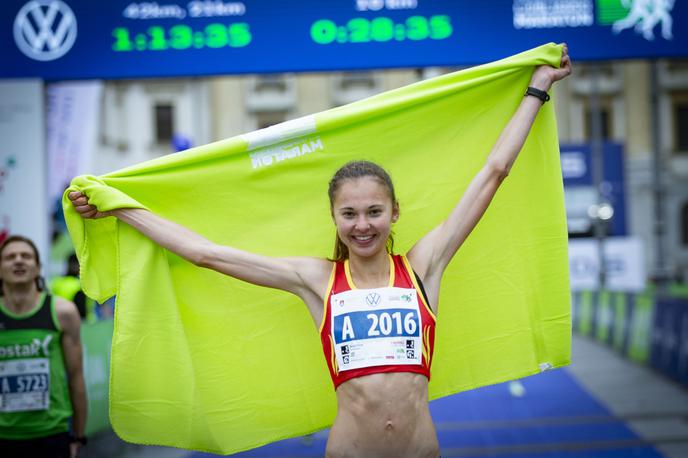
<point x="535" y="92"/>
<point x="80" y="439"/>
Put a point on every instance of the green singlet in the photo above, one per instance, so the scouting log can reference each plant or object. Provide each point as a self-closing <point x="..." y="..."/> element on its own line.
<point x="34" y="394"/>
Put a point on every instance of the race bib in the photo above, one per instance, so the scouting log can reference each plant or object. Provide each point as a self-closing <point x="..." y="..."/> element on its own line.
<point x="376" y="327"/>
<point x="24" y="385"/>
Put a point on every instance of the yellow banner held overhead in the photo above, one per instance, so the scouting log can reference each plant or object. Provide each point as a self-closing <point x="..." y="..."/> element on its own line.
<point x="202" y="361"/>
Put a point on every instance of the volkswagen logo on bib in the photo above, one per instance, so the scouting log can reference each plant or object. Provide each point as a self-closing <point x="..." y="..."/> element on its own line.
<point x="373" y="299"/>
<point x="45" y="29"/>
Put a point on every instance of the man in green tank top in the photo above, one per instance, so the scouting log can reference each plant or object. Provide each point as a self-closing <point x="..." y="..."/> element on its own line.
<point x="41" y="373"/>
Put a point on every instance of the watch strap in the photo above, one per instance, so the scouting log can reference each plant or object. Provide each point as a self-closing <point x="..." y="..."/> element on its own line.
<point x="535" y="92"/>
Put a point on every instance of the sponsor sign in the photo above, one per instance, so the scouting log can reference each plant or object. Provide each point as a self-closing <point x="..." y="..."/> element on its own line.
<point x="624" y="264"/>
<point x="75" y="39"/>
<point x="581" y="193"/>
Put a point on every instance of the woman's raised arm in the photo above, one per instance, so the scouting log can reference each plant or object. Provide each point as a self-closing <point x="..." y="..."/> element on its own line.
<point x="301" y="276"/>
<point x="431" y="254"/>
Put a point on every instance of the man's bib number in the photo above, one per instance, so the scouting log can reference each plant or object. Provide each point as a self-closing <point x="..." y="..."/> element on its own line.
<point x="24" y="385"/>
<point x="376" y="327"/>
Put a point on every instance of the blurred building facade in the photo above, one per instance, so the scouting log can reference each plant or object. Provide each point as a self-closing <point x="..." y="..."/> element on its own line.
<point x="139" y="120"/>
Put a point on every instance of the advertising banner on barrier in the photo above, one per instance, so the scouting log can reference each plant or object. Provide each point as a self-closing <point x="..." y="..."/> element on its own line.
<point x="669" y="350"/>
<point x="79" y="39"/>
<point x="97" y="340"/>
<point x="624" y="264"/>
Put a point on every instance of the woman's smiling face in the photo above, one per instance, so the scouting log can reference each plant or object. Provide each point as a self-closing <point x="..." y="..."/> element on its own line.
<point x="363" y="212"/>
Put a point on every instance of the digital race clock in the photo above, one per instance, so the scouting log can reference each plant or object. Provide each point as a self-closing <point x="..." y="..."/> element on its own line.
<point x="182" y="36"/>
<point x="382" y="29"/>
<point x="85" y="39"/>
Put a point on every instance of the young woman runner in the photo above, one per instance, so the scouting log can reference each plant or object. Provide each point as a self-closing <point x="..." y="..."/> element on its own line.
<point x="381" y="383"/>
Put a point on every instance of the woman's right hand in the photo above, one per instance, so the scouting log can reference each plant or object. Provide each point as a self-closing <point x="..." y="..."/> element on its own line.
<point x="86" y="210"/>
<point x="544" y="75"/>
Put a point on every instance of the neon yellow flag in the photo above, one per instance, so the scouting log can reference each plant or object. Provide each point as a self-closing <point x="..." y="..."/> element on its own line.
<point x="205" y="362"/>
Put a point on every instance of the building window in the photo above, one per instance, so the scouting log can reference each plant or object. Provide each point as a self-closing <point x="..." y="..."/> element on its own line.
<point x="605" y="106"/>
<point x="164" y="122"/>
<point x="680" y="115"/>
<point x="360" y="79"/>
<point x="271" y="82"/>
<point x="270" y="118"/>
<point x="677" y="65"/>
<point x="604" y="70"/>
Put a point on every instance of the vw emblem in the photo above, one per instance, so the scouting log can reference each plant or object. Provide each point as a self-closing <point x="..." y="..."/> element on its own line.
<point x="373" y="299"/>
<point x="45" y="29"/>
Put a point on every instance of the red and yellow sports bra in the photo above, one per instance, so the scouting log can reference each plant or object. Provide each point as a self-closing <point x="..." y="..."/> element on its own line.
<point x="370" y="331"/>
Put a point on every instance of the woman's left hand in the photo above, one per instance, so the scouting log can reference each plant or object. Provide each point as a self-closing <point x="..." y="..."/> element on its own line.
<point x="544" y="75"/>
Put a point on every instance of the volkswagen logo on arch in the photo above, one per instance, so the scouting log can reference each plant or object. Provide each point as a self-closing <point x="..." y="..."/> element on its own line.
<point x="45" y="30"/>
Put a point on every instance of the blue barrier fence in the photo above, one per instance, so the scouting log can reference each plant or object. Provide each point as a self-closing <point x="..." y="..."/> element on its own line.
<point x="646" y="327"/>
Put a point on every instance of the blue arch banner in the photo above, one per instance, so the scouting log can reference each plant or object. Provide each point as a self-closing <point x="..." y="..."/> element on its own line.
<point x="73" y="39"/>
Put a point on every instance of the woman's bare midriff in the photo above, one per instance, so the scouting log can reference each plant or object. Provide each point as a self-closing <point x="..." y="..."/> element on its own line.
<point x="383" y="415"/>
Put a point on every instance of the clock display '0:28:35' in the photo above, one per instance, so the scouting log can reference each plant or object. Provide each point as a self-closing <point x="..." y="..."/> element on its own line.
<point x="382" y="29"/>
